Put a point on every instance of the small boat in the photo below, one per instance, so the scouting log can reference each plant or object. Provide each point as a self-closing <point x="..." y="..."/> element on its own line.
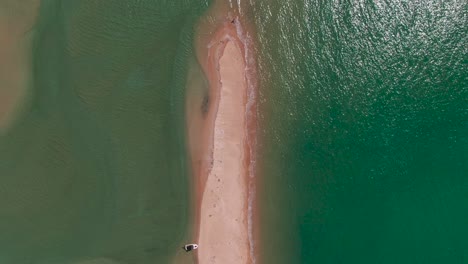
<point x="190" y="247"/>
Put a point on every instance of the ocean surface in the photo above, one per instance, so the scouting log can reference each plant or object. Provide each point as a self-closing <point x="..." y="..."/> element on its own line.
<point x="363" y="132"/>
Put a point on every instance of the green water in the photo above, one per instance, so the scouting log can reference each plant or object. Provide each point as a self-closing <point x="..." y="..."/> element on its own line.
<point x="364" y="131"/>
<point x="95" y="166"/>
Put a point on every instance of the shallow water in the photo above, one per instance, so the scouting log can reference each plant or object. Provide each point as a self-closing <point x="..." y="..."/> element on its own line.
<point x="94" y="167"/>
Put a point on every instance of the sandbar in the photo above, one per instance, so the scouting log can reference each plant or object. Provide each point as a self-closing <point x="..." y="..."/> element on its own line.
<point x="220" y="150"/>
<point x="223" y="226"/>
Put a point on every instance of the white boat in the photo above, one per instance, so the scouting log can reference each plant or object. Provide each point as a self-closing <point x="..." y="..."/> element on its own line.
<point x="190" y="247"/>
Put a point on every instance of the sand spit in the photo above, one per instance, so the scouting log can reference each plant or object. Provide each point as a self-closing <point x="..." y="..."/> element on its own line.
<point x="221" y="137"/>
<point x="223" y="227"/>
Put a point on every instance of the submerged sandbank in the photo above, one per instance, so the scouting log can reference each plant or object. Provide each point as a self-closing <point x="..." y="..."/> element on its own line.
<point x="15" y="67"/>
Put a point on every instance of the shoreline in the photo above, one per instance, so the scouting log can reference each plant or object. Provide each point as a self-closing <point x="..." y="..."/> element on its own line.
<point x="204" y="145"/>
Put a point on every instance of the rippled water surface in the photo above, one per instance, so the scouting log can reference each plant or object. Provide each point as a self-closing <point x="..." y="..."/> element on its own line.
<point x="94" y="167"/>
<point x="364" y="120"/>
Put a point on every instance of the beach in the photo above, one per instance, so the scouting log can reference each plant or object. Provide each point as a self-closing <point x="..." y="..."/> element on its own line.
<point x="223" y="226"/>
<point x="220" y="145"/>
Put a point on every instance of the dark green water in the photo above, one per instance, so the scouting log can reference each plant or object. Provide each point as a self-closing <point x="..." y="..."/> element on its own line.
<point x="95" y="167"/>
<point x="364" y="120"/>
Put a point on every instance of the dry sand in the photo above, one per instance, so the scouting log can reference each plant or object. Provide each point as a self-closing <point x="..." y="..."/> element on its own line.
<point x="223" y="236"/>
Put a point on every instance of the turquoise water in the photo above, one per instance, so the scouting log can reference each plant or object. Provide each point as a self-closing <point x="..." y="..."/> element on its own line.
<point x="364" y="120"/>
<point x="95" y="166"/>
